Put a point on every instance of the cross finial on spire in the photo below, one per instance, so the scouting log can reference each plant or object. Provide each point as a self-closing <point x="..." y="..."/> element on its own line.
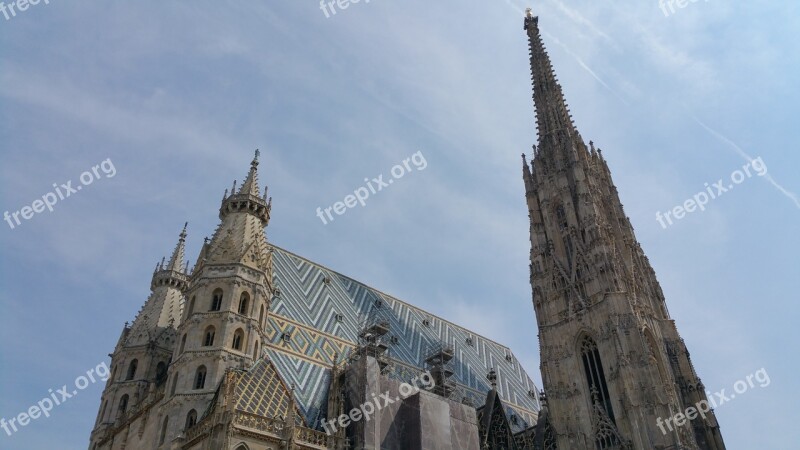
<point x="528" y="12"/>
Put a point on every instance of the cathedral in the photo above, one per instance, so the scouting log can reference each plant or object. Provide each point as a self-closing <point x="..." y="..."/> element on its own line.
<point x="257" y="348"/>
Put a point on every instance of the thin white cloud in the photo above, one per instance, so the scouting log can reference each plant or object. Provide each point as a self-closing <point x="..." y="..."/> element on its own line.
<point x="790" y="195"/>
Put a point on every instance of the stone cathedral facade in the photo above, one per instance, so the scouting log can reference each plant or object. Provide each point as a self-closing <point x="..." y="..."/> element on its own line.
<point x="257" y="348"/>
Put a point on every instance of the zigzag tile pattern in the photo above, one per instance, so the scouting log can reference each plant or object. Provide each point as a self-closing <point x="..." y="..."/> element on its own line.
<point x="318" y="313"/>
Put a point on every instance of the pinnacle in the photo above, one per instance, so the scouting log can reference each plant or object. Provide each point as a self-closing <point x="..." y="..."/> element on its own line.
<point x="250" y="185"/>
<point x="176" y="260"/>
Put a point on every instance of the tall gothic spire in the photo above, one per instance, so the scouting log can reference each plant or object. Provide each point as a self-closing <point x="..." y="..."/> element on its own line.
<point x="552" y="113"/>
<point x="559" y="141"/>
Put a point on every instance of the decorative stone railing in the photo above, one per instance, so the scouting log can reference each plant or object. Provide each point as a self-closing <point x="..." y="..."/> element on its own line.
<point x="260" y="423"/>
<point x="313" y="437"/>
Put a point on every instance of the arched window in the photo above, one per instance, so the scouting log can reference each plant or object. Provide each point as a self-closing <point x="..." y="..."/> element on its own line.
<point x="123" y="404"/>
<point x="255" y="352"/>
<point x="208" y="339"/>
<point x="191" y="419"/>
<point x="103" y="411"/>
<point x="174" y="385"/>
<point x="163" y="431"/>
<point x="655" y="355"/>
<point x="132" y="370"/>
<point x="200" y="378"/>
<point x="244" y="300"/>
<point x="561" y="217"/>
<point x="191" y="306"/>
<point x="216" y="300"/>
<point x="161" y="372"/>
<point x="238" y="337"/>
<point x="596" y="378"/>
<point x="261" y="317"/>
<point x="183" y="344"/>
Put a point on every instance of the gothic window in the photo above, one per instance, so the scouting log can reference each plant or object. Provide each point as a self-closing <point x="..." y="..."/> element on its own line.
<point x="191" y="419"/>
<point x="216" y="300"/>
<point x="163" y="431"/>
<point x="243" y="301"/>
<point x="103" y="410"/>
<point x="174" y="385"/>
<point x="161" y="372"/>
<point x="238" y="337"/>
<point x="132" y="370"/>
<point x="655" y="355"/>
<point x="123" y="404"/>
<point x="183" y="344"/>
<point x="200" y="378"/>
<point x="561" y="217"/>
<point x="593" y="369"/>
<point x="208" y="340"/>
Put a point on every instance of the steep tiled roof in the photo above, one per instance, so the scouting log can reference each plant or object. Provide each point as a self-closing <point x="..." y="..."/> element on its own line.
<point x="318" y="314"/>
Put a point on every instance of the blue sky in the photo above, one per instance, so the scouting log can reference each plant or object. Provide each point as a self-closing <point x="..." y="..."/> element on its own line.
<point x="178" y="95"/>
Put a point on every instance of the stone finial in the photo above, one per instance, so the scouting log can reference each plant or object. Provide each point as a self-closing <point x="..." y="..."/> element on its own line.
<point x="492" y="377"/>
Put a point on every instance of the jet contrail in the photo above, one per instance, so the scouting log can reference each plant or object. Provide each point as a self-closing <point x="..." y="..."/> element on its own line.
<point x="744" y="155"/>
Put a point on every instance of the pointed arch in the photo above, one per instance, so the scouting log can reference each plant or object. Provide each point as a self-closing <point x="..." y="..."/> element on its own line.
<point x="238" y="339"/>
<point x="208" y="336"/>
<point x="216" y="300"/>
<point x="191" y="419"/>
<point x="244" y="302"/>
<point x="164" y="427"/>
<point x="174" y="384"/>
<point x="200" y="378"/>
<point x="161" y="372"/>
<point x="595" y="375"/>
<point x="132" y="370"/>
<point x="655" y="353"/>
<point x="123" y="405"/>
